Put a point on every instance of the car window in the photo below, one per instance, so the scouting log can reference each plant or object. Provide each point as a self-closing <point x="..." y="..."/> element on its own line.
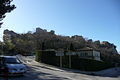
<point x="12" y="61"/>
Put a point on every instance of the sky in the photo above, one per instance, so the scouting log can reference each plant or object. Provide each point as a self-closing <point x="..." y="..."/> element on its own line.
<point x="93" y="19"/>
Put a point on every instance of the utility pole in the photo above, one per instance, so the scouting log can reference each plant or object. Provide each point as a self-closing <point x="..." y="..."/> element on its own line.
<point x="60" y="54"/>
<point x="60" y="61"/>
<point x="69" y="61"/>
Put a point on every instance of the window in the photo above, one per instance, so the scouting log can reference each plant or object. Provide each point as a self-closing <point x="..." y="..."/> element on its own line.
<point x="12" y="61"/>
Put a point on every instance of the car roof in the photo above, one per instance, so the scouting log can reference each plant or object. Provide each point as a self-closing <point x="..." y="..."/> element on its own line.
<point x="8" y="56"/>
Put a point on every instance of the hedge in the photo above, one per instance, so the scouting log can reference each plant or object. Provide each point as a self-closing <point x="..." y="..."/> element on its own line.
<point x="49" y="57"/>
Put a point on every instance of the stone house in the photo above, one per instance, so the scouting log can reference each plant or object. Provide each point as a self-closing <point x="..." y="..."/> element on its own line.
<point x="87" y="54"/>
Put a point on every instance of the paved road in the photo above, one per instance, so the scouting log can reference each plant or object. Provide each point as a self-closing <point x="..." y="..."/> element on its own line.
<point x="41" y="72"/>
<point x="38" y="71"/>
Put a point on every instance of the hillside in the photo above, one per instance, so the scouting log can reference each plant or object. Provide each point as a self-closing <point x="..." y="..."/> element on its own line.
<point x="42" y="39"/>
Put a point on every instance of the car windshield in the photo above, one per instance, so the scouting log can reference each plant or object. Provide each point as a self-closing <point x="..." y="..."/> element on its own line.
<point x="12" y="61"/>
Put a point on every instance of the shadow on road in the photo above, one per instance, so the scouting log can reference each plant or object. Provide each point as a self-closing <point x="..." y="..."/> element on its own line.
<point x="33" y="75"/>
<point x="43" y="76"/>
<point x="113" y="73"/>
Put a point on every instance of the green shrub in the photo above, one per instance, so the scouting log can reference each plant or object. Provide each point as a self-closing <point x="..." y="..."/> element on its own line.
<point x="38" y="56"/>
<point x="89" y="64"/>
<point x="49" y="57"/>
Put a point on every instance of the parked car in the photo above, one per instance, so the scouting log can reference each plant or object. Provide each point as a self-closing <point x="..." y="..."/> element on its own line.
<point x="11" y="65"/>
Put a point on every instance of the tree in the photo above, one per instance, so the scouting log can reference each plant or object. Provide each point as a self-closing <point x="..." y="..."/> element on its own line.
<point x="52" y="32"/>
<point x="43" y="46"/>
<point x="5" y="7"/>
<point x="71" y="47"/>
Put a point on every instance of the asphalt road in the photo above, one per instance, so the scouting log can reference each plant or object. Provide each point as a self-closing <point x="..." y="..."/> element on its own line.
<point x="41" y="72"/>
<point x="38" y="71"/>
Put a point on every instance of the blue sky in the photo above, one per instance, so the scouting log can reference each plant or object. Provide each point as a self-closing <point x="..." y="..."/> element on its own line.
<point x="94" y="19"/>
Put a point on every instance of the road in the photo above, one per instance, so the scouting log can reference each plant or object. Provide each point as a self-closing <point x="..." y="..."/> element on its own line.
<point x="39" y="71"/>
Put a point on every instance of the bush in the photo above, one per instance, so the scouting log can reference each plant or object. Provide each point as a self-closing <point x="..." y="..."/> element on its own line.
<point x="88" y="64"/>
<point x="38" y="56"/>
<point x="49" y="57"/>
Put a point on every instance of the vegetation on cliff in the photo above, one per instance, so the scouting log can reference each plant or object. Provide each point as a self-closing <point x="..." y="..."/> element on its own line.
<point x="42" y="39"/>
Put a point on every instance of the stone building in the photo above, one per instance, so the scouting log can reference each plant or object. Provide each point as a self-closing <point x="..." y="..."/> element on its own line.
<point x="86" y="54"/>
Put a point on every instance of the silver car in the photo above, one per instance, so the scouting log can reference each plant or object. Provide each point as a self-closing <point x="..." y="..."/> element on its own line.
<point x="11" y="65"/>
